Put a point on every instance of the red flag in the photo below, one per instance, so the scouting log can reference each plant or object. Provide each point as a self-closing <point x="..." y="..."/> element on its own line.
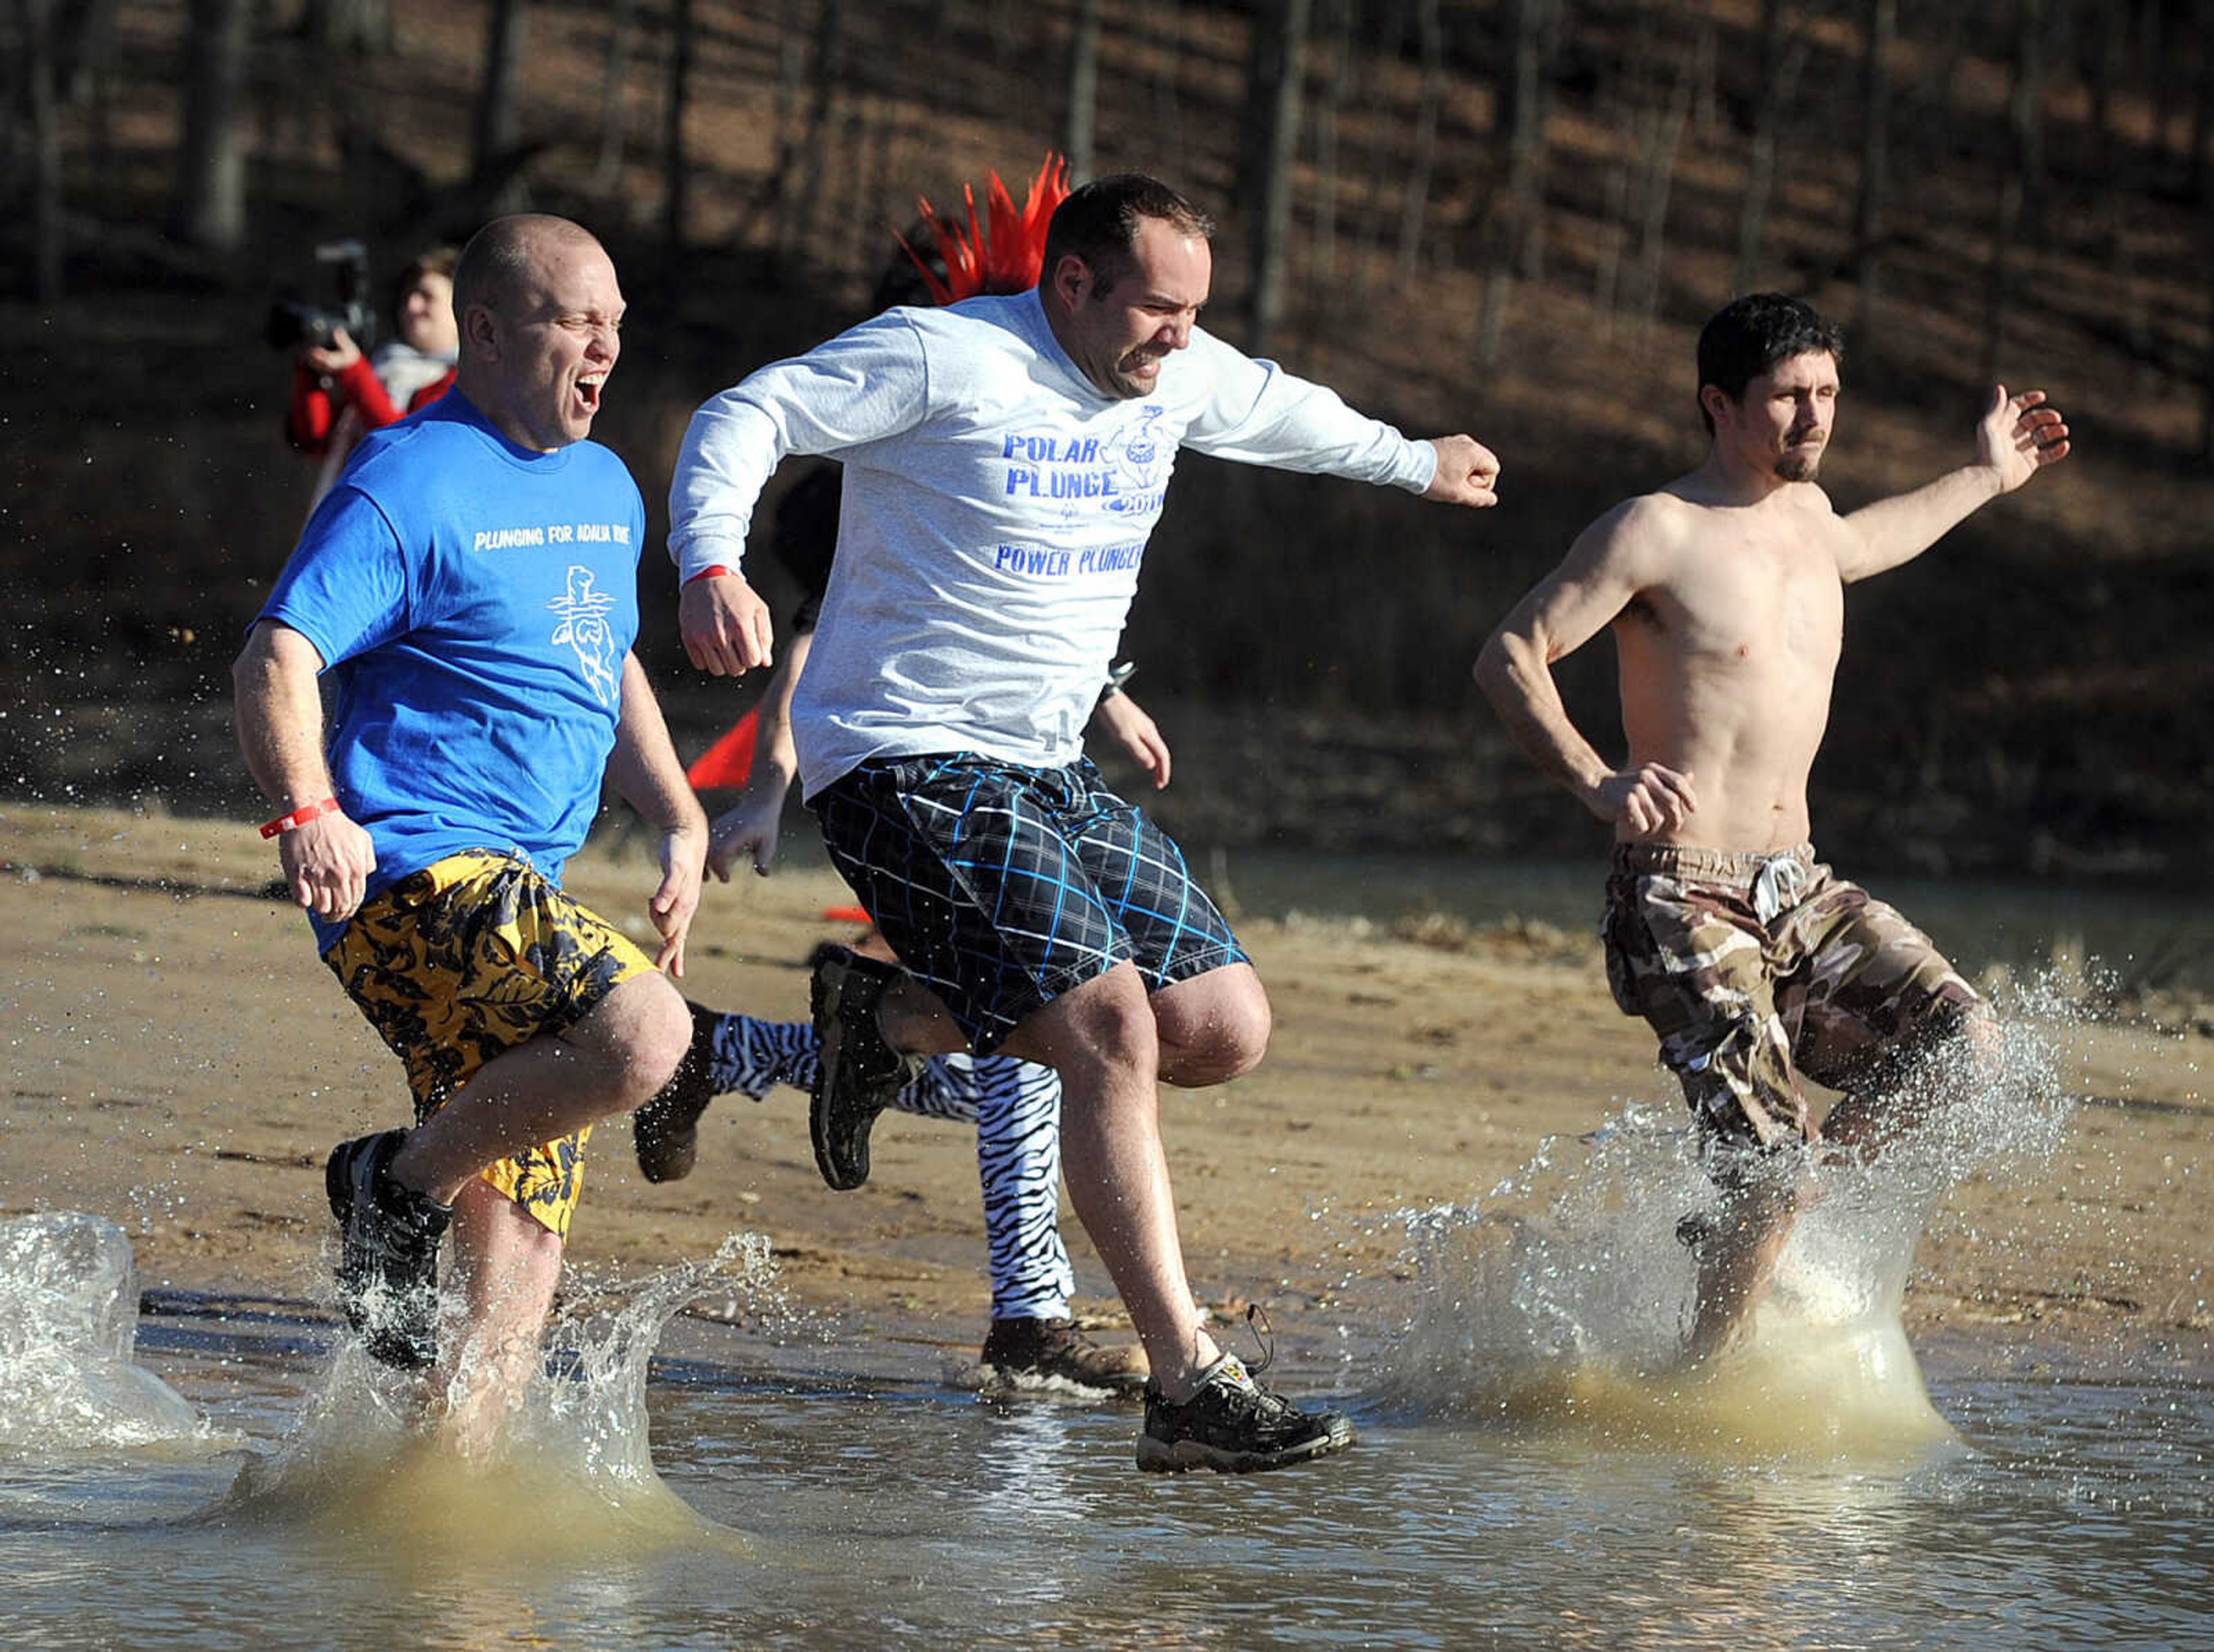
<point x="728" y="763"/>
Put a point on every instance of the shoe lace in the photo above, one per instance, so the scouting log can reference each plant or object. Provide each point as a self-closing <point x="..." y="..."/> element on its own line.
<point x="1257" y="1322"/>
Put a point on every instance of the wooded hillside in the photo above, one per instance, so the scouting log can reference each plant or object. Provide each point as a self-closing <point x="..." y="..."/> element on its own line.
<point x="1507" y="217"/>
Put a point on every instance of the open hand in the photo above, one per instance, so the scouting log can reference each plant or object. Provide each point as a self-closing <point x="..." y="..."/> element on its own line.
<point x="2020" y="435"/>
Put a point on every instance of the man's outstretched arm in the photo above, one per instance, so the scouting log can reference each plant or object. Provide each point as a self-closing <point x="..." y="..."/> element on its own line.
<point x="2018" y="436"/>
<point x="1594" y="583"/>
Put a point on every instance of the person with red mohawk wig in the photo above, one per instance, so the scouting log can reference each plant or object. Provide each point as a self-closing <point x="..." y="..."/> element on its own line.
<point x="1006" y="459"/>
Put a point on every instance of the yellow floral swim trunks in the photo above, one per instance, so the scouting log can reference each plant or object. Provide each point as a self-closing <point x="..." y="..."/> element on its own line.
<point x="463" y="962"/>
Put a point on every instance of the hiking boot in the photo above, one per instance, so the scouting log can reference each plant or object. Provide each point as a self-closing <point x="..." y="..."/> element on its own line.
<point x="666" y="1130"/>
<point x="1053" y="1354"/>
<point x="388" y="1251"/>
<point x="860" y="1071"/>
<point x="1233" y="1425"/>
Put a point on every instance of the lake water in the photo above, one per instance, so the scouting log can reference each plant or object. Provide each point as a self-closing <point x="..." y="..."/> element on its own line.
<point x="790" y="1509"/>
<point x="1533" y="1470"/>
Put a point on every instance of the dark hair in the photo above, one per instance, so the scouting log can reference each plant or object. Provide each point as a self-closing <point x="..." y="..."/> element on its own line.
<point x="1749" y="335"/>
<point x="431" y="260"/>
<point x="1098" y="223"/>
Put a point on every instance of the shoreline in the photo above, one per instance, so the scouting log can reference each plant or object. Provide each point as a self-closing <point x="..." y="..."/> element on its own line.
<point x="182" y="1063"/>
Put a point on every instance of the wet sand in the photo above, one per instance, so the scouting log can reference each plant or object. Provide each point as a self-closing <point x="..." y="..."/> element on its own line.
<point x="180" y="1062"/>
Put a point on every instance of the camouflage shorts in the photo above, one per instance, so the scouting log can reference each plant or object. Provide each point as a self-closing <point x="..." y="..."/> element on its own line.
<point x="1753" y="969"/>
<point x="465" y="960"/>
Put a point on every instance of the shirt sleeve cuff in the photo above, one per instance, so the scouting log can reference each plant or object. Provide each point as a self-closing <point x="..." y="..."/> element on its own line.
<point x="704" y="552"/>
<point x="1420" y="469"/>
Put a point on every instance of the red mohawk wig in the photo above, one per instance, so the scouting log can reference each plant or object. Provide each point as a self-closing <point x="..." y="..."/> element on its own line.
<point x="1004" y="253"/>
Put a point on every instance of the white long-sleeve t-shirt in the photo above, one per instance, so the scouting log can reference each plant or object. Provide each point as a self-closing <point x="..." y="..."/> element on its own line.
<point x="995" y="510"/>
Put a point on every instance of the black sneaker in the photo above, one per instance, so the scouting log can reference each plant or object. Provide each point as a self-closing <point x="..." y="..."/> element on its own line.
<point x="860" y="1072"/>
<point x="388" y="1251"/>
<point x="1233" y="1425"/>
<point x="1050" y="1356"/>
<point x="666" y="1130"/>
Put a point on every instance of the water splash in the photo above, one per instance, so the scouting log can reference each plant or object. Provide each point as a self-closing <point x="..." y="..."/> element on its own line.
<point x="1563" y="1298"/>
<point x="566" y="1472"/>
<point x="69" y="1324"/>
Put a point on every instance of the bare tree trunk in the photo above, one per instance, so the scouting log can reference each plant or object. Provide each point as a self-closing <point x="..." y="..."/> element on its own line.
<point x="677" y="191"/>
<point x="2019" y="189"/>
<point x="1166" y="118"/>
<point x="38" y="72"/>
<point x="790" y="68"/>
<point x="2106" y="70"/>
<point x="497" y="125"/>
<point x="1775" y="96"/>
<point x="2153" y="43"/>
<point x="2201" y="175"/>
<point x="1339" y="21"/>
<point x="1706" y="61"/>
<point x="84" y="59"/>
<point x="823" y="93"/>
<point x="338" y="29"/>
<point x="1273" y="78"/>
<point x="1663" y="136"/>
<point x="211" y="200"/>
<point x="622" y="28"/>
<point x="1511" y="228"/>
<point x="1376" y="188"/>
<point x="1880" y="22"/>
<point x="1082" y="89"/>
<point x="2206" y="367"/>
<point x="1429" y="30"/>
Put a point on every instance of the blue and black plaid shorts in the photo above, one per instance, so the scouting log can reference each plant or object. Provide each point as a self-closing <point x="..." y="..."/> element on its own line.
<point x="1002" y="886"/>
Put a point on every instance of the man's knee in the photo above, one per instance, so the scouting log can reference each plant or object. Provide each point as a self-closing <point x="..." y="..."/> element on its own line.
<point x="647" y="1030"/>
<point x="1213" y="1027"/>
<point x="1104" y="1024"/>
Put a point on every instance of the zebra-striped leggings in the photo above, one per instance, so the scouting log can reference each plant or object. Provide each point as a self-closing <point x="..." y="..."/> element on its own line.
<point x="1015" y="1107"/>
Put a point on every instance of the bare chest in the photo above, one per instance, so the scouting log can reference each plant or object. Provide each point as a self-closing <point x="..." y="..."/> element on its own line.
<point x="1759" y="608"/>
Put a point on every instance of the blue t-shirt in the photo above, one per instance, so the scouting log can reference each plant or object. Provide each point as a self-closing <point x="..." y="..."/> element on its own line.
<point x="473" y="601"/>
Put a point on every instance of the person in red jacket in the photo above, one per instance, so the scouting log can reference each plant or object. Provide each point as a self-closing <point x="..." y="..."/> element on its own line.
<point x="341" y="394"/>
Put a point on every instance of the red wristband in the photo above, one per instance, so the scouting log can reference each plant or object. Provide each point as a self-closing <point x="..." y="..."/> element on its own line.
<point x="709" y="572"/>
<point x="300" y="817"/>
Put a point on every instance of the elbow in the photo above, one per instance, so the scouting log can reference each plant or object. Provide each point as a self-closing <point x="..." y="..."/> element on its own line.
<point x="251" y="662"/>
<point x="1495" y="667"/>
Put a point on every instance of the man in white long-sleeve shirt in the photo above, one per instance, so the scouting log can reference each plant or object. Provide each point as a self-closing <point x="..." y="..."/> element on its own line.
<point x="1006" y="462"/>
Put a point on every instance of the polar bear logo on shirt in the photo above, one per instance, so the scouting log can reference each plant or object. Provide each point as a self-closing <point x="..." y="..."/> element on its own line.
<point x="584" y="627"/>
<point x="1136" y="453"/>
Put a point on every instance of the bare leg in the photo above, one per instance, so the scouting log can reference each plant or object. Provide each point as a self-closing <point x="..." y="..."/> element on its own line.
<point x="1213" y="1027"/>
<point x="1113" y="1044"/>
<point x="915" y="1021"/>
<point x="1878" y="1113"/>
<point x="1736" y="1263"/>
<point x="509" y="1265"/>
<point x="1100" y="1037"/>
<point x="617" y="1056"/>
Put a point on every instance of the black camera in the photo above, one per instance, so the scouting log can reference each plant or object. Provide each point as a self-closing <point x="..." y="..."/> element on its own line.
<point x="342" y="273"/>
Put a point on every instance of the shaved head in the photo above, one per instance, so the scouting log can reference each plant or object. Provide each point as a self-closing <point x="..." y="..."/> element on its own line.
<point x="502" y="258"/>
<point x="541" y="313"/>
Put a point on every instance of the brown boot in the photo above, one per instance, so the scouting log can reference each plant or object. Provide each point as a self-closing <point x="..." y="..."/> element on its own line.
<point x="1053" y="1354"/>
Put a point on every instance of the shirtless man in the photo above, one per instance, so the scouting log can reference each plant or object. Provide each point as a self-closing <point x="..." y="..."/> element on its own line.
<point x="1726" y="592"/>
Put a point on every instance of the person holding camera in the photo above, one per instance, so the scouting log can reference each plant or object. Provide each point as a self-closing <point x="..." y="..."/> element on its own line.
<point x="341" y="393"/>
